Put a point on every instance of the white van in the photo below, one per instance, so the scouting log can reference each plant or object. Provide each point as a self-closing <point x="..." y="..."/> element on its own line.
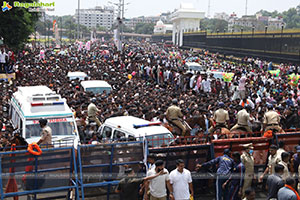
<point x="96" y="86"/>
<point x="31" y="103"/>
<point x="127" y="127"/>
<point x="74" y="75"/>
<point x="194" y="67"/>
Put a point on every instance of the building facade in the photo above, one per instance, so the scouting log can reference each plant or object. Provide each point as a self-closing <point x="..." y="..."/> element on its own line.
<point x="161" y="28"/>
<point x="256" y="22"/>
<point x="96" y="17"/>
<point x="186" y="18"/>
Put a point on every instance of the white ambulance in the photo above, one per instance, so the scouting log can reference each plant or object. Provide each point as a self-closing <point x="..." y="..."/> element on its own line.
<point x="31" y="103"/>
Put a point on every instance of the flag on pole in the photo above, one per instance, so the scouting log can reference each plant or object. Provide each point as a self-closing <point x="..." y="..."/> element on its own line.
<point x="54" y="25"/>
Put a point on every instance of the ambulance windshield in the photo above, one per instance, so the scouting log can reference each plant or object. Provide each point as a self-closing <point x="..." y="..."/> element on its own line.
<point x="60" y="126"/>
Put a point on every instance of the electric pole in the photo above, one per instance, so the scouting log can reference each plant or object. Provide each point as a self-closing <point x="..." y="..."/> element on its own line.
<point x="78" y="14"/>
<point x="208" y="10"/>
<point x="119" y="21"/>
<point x="246" y="9"/>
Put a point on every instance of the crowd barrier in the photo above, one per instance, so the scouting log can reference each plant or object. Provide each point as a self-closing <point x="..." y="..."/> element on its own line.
<point x="95" y="170"/>
<point x="103" y="165"/>
<point x="22" y="173"/>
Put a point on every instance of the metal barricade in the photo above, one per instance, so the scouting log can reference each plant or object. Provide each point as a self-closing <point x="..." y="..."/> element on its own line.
<point x="102" y="166"/>
<point x="55" y="170"/>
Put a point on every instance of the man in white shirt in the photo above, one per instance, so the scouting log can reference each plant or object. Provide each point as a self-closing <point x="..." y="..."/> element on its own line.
<point x="206" y="85"/>
<point x="181" y="181"/>
<point x="158" y="186"/>
<point x="3" y="56"/>
<point x="242" y="87"/>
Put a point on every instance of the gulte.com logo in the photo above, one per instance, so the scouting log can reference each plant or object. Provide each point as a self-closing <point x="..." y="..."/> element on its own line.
<point x="6" y="6"/>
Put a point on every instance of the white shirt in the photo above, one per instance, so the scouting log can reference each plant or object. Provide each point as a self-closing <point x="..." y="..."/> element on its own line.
<point x="180" y="183"/>
<point x="158" y="185"/>
<point x="206" y="86"/>
<point x="242" y="83"/>
<point x="2" y="57"/>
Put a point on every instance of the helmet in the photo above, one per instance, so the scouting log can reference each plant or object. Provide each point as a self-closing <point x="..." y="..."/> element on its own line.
<point x="221" y="105"/>
<point x="174" y="101"/>
<point x="93" y="100"/>
<point x="270" y="106"/>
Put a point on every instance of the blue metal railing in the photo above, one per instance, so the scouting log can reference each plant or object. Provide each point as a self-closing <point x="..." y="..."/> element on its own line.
<point x="9" y="161"/>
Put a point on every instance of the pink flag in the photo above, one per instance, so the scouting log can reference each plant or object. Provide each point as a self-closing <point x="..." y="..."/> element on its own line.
<point x="88" y="45"/>
<point x="199" y="80"/>
<point x="42" y="54"/>
<point x="79" y="46"/>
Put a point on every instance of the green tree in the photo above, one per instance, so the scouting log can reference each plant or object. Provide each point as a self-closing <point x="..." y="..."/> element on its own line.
<point x="100" y="28"/>
<point x="16" y="25"/>
<point x="292" y="18"/>
<point x="144" y="28"/>
<point x="214" y="25"/>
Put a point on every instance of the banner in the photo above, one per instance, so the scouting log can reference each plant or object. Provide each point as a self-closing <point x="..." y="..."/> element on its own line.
<point x="227" y="77"/>
<point x="275" y="73"/>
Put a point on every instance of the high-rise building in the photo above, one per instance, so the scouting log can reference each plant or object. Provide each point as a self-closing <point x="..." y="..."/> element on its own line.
<point x="96" y="17"/>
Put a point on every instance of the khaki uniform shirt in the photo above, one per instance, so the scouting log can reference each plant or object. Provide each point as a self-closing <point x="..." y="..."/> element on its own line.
<point x="243" y="117"/>
<point x="286" y="172"/>
<point x="271" y="117"/>
<point x="174" y="112"/>
<point x="221" y="116"/>
<point x="248" y="162"/>
<point x="46" y="135"/>
<point x="273" y="160"/>
<point x="92" y="110"/>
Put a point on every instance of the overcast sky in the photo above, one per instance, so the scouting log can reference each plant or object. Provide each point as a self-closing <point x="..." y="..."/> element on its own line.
<point x="155" y="7"/>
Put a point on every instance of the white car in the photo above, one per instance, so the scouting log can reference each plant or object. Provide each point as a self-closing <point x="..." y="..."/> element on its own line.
<point x="133" y="128"/>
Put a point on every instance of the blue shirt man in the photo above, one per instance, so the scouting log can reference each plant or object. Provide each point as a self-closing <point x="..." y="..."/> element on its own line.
<point x="236" y="179"/>
<point x="225" y="164"/>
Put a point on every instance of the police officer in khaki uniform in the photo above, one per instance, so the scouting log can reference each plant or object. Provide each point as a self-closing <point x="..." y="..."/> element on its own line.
<point x="46" y="135"/>
<point x="272" y="120"/>
<point x="93" y="112"/>
<point x="221" y="116"/>
<point x="174" y="115"/>
<point x="248" y="161"/>
<point x="242" y="119"/>
<point x="273" y="160"/>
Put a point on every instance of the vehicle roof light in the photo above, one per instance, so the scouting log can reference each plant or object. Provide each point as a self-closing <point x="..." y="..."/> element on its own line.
<point x="47" y="104"/>
<point x="146" y="125"/>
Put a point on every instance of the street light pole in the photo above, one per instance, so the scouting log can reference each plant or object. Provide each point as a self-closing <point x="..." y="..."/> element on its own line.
<point x="266" y="30"/>
<point x="78" y="14"/>
<point x="60" y="31"/>
<point x="122" y="25"/>
<point x="45" y="28"/>
<point x="282" y="26"/>
<point x="119" y="21"/>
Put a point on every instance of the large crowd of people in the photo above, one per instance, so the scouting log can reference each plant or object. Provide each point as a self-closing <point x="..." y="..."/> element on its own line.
<point x="148" y="79"/>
